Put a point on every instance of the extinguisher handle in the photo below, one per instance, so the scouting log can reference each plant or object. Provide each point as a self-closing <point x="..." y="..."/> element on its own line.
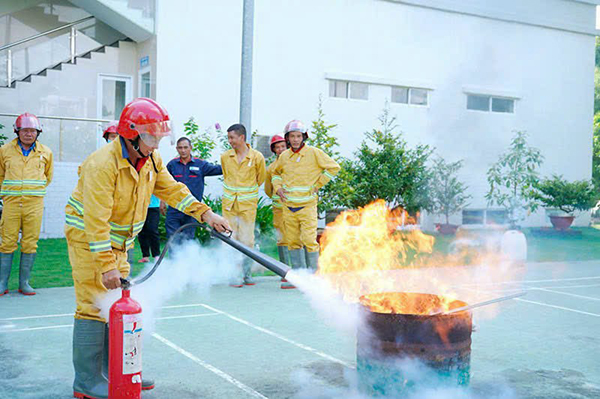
<point x="125" y="284"/>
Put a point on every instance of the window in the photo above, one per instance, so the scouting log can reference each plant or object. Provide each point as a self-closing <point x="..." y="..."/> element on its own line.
<point x="472" y="217"/>
<point x="484" y="216"/>
<point x="400" y="95"/>
<point x="359" y="91"/>
<point x="338" y="88"/>
<point x="478" y="102"/>
<point x="262" y="145"/>
<point x="145" y="85"/>
<point x="410" y="95"/>
<point x="343" y="89"/>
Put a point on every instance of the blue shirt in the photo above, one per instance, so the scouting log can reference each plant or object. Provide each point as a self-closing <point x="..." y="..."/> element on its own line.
<point x="192" y="174"/>
<point x="26" y="152"/>
<point x="154" y="202"/>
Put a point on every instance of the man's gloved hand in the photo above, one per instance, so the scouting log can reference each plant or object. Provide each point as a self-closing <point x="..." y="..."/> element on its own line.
<point x="111" y="279"/>
<point x="215" y="221"/>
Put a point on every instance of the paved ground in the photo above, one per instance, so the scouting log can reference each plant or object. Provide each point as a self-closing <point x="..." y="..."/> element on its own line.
<point x="264" y="342"/>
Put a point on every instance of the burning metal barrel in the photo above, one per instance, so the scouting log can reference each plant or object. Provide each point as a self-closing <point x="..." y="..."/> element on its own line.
<point x="402" y="345"/>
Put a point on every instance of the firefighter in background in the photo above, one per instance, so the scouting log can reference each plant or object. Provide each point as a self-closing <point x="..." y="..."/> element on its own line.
<point x="26" y="169"/>
<point x="243" y="172"/>
<point x="105" y="212"/>
<point x="299" y="174"/>
<point x="110" y="133"/>
<point x="278" y="145"/>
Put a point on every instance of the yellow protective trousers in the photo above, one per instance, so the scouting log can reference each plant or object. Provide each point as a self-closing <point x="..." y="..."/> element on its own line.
<point x="88" y="280"/>
<point x="242" y="223"/>
<point x="21" y="214"/>
<point x="278" y="224"/>
<point x="300" y="228"/>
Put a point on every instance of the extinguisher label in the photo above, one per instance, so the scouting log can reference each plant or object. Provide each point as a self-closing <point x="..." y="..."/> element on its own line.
<point x="132" y="343"/>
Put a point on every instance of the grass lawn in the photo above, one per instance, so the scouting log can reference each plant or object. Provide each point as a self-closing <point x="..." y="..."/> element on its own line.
<point x="52" y="268"/>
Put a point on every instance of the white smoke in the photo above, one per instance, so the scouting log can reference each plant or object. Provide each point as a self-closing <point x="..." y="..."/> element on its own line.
<point x="189" y="266"/>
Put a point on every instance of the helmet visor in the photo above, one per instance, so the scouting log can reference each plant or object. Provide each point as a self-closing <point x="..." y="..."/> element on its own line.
<point x="152" y="133"/>
<point x="28" y="122"/>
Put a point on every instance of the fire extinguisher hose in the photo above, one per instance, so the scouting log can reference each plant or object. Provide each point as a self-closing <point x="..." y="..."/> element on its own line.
<point x="275" y="266"/>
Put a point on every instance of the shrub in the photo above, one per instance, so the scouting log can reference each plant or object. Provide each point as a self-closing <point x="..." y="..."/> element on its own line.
<point x="202" y="143"/>
<point x="558" y="193"/>
<point x="386" y="168"/>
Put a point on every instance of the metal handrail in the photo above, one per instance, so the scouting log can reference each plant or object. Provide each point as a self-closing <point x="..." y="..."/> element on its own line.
<point x="66" y="118"/>
<point x="72" y="45"/>
<point x="36" y="36"/>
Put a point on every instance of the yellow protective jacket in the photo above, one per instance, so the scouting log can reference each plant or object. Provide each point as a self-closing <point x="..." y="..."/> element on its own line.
<point x="24" y="176"/>
<point x="269" y="186"/>
<point x="241" y="180"/>
<point x="302" y="173"/>
<point x="108" y="207"/>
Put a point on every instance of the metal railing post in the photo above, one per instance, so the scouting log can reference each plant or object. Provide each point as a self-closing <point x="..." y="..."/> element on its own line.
<point x="72" y="38"/>
<point x="8" y="67"/>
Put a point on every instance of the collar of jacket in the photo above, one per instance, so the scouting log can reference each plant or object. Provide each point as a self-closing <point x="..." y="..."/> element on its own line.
<point x="120" y="148"/>
<point x="32" y="148"/>
<point x="17" y="144"/>
<point x="232" y="152"/>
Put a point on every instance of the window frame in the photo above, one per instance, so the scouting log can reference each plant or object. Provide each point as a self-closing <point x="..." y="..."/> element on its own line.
<point x="490" y="101"/>
<point x="409" y="96"/>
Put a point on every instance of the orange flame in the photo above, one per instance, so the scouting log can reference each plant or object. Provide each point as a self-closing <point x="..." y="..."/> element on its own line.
<point x="375" y="250"/>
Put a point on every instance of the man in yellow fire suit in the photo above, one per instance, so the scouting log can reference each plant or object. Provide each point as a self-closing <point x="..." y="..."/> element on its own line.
<point x="278" y="145"/>
<point x="299" y="174"/>
<point x="243" y="172"/>
<point x="104" y="214"/>
<point x="26" y="168"/>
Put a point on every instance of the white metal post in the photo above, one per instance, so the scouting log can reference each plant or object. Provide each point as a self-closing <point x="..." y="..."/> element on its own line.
<point x="8" y="67"/>
<point x="72" y="46"/>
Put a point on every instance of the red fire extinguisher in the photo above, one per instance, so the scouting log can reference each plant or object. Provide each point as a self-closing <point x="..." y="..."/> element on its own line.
<point x="125" y="348"/>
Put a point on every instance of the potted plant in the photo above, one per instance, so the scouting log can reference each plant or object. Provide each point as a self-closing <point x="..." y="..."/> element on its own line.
<point x="562" y="198"/>
<point x="447" y="193"/>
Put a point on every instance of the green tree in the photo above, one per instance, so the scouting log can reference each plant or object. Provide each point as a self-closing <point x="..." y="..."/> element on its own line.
<point x="202" y="143"/>
<point x="513" y="178"/>
<point x="446" y="191"/>
<point x="320" y="136"/>
<point x="386" y="168"/>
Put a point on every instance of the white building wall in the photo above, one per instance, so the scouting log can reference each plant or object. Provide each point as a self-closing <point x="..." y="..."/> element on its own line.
<point x="449" y="52"/>
<point x="198" y="74"/>
<point x="539" y="52"/>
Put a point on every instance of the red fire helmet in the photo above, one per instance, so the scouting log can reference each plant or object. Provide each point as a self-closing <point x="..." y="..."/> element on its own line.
<point x="27" y="120"/>
<point x="276" y="139"/>
<point x="295" y="126"/>
<point x="144" y="118"/>
<point x="111" y="128"/>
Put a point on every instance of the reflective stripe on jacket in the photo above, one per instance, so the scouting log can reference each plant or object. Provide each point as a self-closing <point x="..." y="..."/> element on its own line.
<point x="108" y="207"/>
<point x="22" y="175"/>
<point x="241" y="180"/>
<point x="303" y="172"/>
<point x="269" y="186"/>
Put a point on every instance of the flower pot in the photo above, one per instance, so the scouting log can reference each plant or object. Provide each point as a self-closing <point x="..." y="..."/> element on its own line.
<point x="446" y="229"/>
<point x="561" y="222"/>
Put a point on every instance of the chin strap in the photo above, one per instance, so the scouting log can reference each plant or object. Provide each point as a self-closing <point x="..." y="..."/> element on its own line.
<point x="135" y="143"/>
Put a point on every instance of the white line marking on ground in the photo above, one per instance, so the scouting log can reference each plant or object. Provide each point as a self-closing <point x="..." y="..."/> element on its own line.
<point x="558" y="307"/>
<point x="195" y="305"/>
<point x="37" y="317"/>
<point x="281" y="337"/>
<point x="573" y="286"/>
<point x="536" y="281"/>
<point x="189" y="316"/>
<point x="566" y="293"/>
<point x="37" y="328"/>
<point x="210" y="368"/>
